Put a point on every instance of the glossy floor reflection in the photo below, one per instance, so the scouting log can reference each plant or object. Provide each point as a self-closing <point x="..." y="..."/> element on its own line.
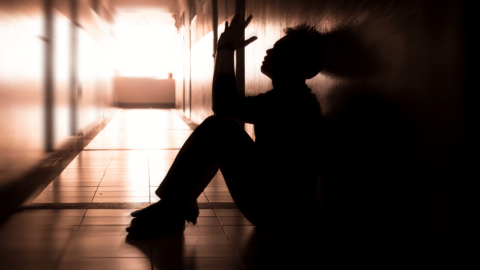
<point x="96" y="239"/>
<point x="125" y="163"/>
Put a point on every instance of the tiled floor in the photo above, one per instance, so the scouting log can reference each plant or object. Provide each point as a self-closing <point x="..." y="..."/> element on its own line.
<point x="96" y="239"/>
<point x="125" y="163"/>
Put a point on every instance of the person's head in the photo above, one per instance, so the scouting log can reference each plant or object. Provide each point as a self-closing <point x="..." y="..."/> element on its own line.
<point x="297" y="55"/>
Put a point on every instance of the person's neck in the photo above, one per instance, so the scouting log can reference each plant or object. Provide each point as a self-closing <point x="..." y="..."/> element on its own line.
<point x="288" y="83"/>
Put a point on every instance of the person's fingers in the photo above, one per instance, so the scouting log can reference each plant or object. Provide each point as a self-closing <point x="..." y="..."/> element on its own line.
<point x="246" y="42"/>
<point x="250" y="40"/>
<point x="249" y="19"/>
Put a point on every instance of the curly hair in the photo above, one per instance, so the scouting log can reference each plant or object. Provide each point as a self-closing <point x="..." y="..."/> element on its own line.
<point x="308" y="42"/>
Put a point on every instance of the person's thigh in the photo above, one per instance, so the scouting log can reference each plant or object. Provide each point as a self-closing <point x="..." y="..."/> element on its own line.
<point x="246" y="173"/>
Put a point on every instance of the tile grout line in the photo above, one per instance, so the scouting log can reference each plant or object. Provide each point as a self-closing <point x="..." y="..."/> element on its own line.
<point x="236" y="252"/>
<point x="62" y="254"/>
<point x="95" y="193"/>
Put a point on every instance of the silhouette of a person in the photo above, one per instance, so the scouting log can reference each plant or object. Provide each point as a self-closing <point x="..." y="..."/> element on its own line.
<point x="269" y="179"/>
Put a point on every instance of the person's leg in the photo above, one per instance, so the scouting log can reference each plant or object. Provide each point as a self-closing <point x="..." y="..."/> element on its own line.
<point x="217" y="143"/>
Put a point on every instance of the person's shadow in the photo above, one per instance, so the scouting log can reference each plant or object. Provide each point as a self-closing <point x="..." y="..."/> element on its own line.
<point x="345" y="56"/>
<point x="263" y="249"/>
<point x="166" y="252"/>
<point x="370" y="168"/>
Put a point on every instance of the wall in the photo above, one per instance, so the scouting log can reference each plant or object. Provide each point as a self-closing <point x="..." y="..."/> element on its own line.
<point x="22" y="119"/>
<point x="147" y="91"/>
<point x="46" y="52"/>
<point x="391" y="94"/>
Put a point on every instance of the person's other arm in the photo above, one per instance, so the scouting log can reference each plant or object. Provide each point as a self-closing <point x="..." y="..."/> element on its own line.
<point x="224" y="86"/>
<point x="225" y="98"/>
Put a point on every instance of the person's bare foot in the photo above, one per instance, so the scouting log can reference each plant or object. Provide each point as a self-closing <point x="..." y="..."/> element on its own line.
<point x="156" y="208"/>
<point x="161" y="209"/>
<point x="152" y="226"/>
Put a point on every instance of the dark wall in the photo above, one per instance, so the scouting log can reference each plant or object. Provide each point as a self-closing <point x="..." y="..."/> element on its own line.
<point x="391" y="94"/>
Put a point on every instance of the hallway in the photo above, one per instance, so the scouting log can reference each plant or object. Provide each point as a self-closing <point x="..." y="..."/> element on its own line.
<point x="123" y="164"/>
<point x="366" y="111"/>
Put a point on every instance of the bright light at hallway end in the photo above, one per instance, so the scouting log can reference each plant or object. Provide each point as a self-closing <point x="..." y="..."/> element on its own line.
<point x="145" y="42"/>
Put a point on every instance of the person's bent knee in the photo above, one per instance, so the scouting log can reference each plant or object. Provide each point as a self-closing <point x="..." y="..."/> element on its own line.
<point x="218" y="123"/>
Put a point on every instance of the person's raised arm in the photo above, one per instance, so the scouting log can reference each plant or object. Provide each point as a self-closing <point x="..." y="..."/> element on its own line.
<point x="224" y="86"/>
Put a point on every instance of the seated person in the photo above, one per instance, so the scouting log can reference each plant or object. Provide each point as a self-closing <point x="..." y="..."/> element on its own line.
<point x="270" y="179"/>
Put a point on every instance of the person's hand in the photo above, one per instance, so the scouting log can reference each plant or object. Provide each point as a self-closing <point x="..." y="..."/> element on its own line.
<point x="232" y="37"/>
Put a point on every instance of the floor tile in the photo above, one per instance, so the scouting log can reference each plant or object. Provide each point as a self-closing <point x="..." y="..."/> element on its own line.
<point x="107" y="220"/>
<point x="124" y="188"/>
<point x="21" y="220"/>
<point x="53" y="212"/>
<point x="75" y="184"/>
<point x="123" y="183"/>
<point x="109" y="212"/>
<point x="125" y="177"/>
<point x="219" y="199"/>
<point x="66" y="199"/>
<point x="216" y="189"/>
<point x="77" y="180"/>
<point x="228" y="213"/>
<point x="239" y="229"/>
<point x="218" y="194"/>
<point x="47" y="193"/>
<point x="207" y="213"/>
<point x="39" y="244"/>
<point x="77" y="170"/>
<point x="89" y="230"/>
<point x="104" y="264"/>
<point x="206" y="240"/>
<point x="133" y="193"/>
<point x="207" y="221"/>
<point x="236" y="221"/>
<point x="181" y="263"/>
<point x="121" y="199"/>
<point x="106" y="245"/>
<point x="81" y="174"/>
<point x="222" y="251"/>
<point x="63" y="188"/>
<point x="203" y="229"/>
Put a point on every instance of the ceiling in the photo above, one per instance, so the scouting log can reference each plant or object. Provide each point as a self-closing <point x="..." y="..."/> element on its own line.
<point x="144" y="12"/>
<point x="167" y="6"/>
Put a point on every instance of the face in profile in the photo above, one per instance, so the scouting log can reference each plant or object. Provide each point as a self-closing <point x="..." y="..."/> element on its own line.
<point x="275" y="61"/>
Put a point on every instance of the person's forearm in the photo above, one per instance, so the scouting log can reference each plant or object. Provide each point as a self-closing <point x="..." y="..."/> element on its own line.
<point x="224" y="86"/>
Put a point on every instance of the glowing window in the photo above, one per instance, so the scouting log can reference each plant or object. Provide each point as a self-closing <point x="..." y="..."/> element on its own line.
<point x="144" y="49"/>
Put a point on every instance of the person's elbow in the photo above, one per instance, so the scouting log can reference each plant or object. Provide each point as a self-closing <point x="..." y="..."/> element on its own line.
<point x="225" y="105"/>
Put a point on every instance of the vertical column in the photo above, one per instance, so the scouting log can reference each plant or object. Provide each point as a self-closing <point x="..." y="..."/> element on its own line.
<point x="182" y="21"/>
<point x="240" y="55"/>
<point x="48" y="84"/>
<point x="215" y="27"/>
<point x="73" y="68"/>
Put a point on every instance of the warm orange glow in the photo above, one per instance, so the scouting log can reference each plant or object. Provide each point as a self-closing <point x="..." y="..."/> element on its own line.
<point x="145" y="50"/>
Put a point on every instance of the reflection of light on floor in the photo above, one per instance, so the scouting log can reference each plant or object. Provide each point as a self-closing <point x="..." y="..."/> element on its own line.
<point x="145" y="50"/>
<point x="127" y="161"/>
